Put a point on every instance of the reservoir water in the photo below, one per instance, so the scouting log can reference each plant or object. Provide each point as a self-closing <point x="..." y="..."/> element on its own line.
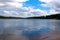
<point x="29" y="29"/>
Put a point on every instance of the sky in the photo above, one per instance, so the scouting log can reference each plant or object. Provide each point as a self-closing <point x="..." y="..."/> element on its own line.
<point x="29" y="8"/>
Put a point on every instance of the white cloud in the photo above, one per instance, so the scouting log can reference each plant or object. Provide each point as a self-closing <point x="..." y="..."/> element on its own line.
<point x="7" y="12"/>
<point x="52" y="11"/>
<point x="46" y="1"/>
<point x="1" y="4"/>
<point x="20" y="0"/>
<point x="10" y="13"/>
<point x="53" y="4"/>
<point x="13" y="0"/>
<point x="16" y="8"/>
<point x="11" y="10"/>
<point x="12" y="7"/>
<point x="44" y="5"/>
<point x="35" y="12"/>
<point x="14" y="4"/>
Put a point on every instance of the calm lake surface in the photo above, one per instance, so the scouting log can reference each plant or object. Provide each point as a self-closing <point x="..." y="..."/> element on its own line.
<point x="29" y="29"/>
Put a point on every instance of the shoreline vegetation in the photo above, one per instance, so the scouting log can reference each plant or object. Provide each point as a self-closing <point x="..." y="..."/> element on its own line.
<point x="55" y="16"/>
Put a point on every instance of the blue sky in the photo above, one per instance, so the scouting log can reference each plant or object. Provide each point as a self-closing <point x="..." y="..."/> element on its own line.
<point x="29" y="8"/>
<point x="36" y="4"/>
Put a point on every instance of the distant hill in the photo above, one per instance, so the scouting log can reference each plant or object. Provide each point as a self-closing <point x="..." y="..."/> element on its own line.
<point x="55" y="16"/>
<point x="9" y="17"/>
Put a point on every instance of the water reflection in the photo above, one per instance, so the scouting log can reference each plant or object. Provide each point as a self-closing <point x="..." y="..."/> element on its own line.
<point x="28" y="29"/>
<point x="36" y="34"/>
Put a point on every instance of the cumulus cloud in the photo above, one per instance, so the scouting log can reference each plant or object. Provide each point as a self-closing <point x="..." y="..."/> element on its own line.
<point x="20" y="0"/>
<point x="53" y="4"/>
<point x="16" y="8"/>
<point x="44" y="5"/>
<point x="1" y="4"/>
<point x="52" y="11"/>
<point x="11" y="7"/>
<point x="21" y="12"/>
<point x="14" y="4"/>
<point x="46" y="1"/>
<point x="13" y="0"/>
